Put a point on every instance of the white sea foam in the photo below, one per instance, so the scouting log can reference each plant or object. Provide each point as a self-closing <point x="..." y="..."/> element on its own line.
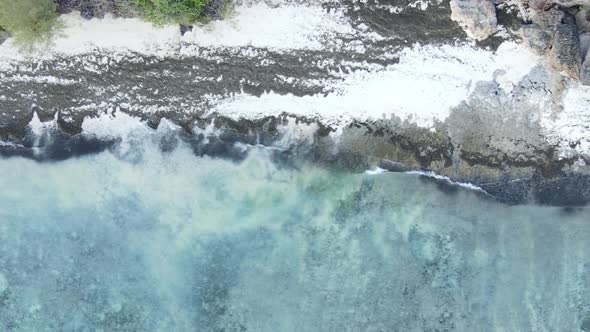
<point x="209" y="130"/>
<point x="11" y="144"/>
<point x="423" y="87"/>
<point x="294" y="132"/>
<point x="293" y="27"/>
<point x="570" y="128"/>
<point x="282" y="27"/>
<point x="37" y="79"/>
<point x="375" y="171"/>
<point x="115" y="124"/>
<point x="378" y="170"/>
<point x="433" y="175"/>
<point x="38" y="127"/>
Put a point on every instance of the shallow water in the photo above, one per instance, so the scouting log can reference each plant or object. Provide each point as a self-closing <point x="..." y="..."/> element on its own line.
<point x="153" y="241"/>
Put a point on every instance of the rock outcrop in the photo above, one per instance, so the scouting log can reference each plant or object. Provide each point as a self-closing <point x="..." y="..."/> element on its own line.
<point x="565" y="54"/>
<point x="539" y="34"/>
<point x="552" y="29"/>
<point x="554" y="34"/>
<point x="583" y="22"/>
<point x="476" y="17"/>
<point x="585" y="72"/>
<point x="545" y="4"/>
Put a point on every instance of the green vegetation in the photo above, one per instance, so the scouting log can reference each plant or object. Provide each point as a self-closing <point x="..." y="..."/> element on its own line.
<point x="29" y="21"/>
<point x="162" y="12"/>
<point x="3" y="34"/>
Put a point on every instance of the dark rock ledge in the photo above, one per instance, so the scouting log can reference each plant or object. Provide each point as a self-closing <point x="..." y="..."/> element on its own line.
<point x="532" y="175"/>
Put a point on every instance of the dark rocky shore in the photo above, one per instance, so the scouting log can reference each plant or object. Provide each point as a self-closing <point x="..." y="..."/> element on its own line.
<point x="513" y="179"/>
<point x="487" y="141"/>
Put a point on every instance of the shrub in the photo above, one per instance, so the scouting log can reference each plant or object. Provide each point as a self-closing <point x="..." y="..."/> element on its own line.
<point x="98" y="8"/>
<point x="126" y="8"/>
<point x="163" y="12"/>
<point x="3" y="35"/>
<point x="29" y="21"/>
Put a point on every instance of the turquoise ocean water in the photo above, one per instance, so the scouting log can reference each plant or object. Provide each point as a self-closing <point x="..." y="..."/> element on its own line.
<point x="170" y="241"/>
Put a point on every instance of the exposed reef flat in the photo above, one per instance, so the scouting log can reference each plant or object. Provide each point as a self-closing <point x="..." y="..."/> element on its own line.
<point x="343" y="83"/>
